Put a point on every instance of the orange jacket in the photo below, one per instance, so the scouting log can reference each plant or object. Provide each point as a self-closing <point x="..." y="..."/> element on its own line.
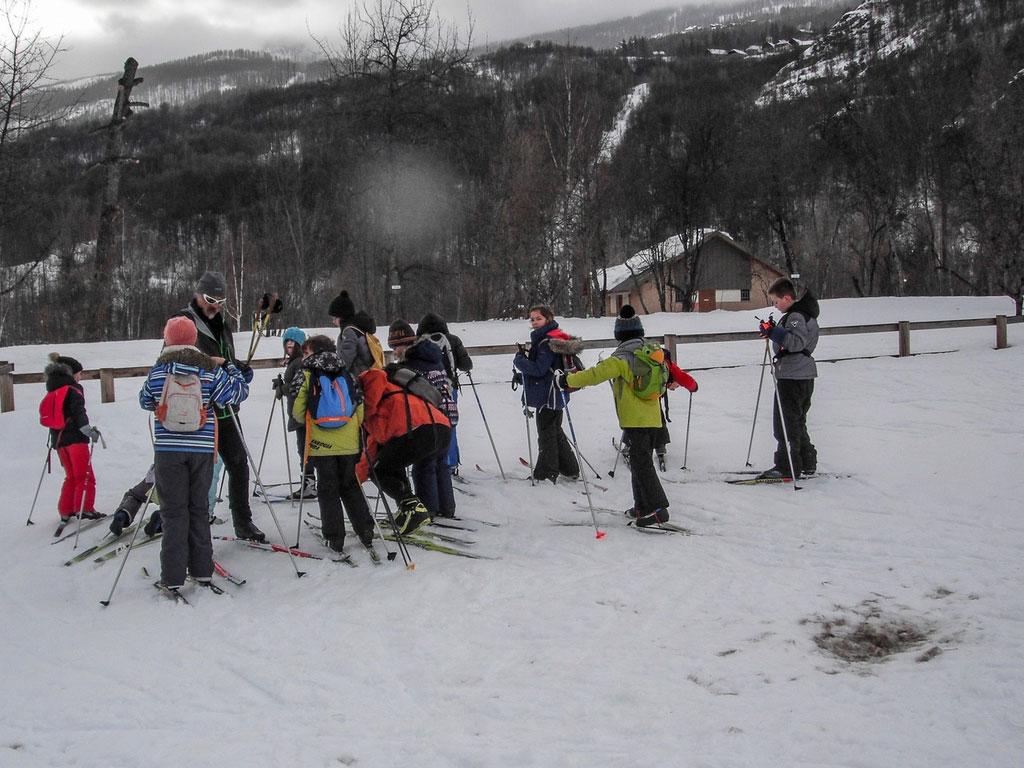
<point x="390" y="412"/>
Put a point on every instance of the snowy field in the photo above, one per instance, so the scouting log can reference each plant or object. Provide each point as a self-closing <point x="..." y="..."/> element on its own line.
<point x="635" y="650"/>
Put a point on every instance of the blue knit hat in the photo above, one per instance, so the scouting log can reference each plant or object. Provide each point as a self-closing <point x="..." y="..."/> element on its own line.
<point x="628" y="325"/>
<point x="294" y="334"/>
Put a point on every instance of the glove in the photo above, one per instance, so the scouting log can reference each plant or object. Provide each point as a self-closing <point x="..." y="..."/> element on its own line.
<point x="155" y="524"/>
<point x="121" y="521"/>
<point x="517" y="378"/>
<point x="91" y="432"/>
<point x="561" y="380"/>
<point x="280" y="390"/>
<point x="246" y="372"/>
<point x="777" y="334"/>
<point x="765" y="326"/>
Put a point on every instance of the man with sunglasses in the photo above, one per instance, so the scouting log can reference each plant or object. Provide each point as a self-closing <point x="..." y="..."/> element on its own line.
<point x="214" y="338"/>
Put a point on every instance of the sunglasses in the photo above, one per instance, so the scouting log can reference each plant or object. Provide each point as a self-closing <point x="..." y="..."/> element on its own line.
<point x="212" y="300"/>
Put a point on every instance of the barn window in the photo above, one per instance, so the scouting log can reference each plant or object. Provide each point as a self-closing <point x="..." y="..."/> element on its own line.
<point x="744" y="294"/>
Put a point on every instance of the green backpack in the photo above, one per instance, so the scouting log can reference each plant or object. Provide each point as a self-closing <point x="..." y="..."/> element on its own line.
<point x="650" y="372"/>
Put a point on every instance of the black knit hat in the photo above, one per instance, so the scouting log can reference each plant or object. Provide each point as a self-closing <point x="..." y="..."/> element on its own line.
<point x="628" y="325"/>
<point x="342" y="307"/>
<point x="400" y="333"/>
<point x="70" y="362"/>
<point x="212" y="283"/>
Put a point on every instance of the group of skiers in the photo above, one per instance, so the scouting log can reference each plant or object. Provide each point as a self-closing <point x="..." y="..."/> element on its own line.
<point x="356" y="418"/>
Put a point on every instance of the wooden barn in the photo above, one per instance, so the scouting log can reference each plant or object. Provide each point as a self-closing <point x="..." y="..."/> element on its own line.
<point x="728" y="277"/>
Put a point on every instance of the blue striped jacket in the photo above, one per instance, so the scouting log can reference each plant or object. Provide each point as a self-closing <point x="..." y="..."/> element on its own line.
<point x="223" y="386"/>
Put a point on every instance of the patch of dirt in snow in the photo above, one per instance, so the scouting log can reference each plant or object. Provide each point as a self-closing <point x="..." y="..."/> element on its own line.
<point x="872" y="635"/>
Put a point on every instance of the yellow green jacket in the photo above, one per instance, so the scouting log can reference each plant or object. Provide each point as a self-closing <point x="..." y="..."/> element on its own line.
<point x="631" y="410"/>
<point x="343" y="441"/>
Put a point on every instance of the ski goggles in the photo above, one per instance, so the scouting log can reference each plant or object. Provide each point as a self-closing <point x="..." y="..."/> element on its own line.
<point x="216" y="302"/>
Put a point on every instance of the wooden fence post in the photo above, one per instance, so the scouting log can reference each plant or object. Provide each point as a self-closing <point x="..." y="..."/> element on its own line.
<point x="670" y="345"/>
<point x="1000" y="331"/>
<point x="904" y="331"/>
<point x="6" y="386"/>
<point x="106" y="385"/>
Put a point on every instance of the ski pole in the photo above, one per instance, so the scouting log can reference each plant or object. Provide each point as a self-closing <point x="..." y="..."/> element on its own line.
<point x="529" y="442"/>
<point x="583" y="458"/>
<point x="598" y="533"/>
<point x="376" y="505"/>
<point x="302" y="497"/>
<point x="46" y="466"/>
<point x="757" y="404"/>
<point x="399" y="539"/>
<point x="686" y="445"/>
<point x="263" y="491"/>
<point x="266" y="438"/>
<point x="287" y="453"/>
<point x="782" y="420"/>
<point x="486" y="425"/>
<point x="128" y="551"/>
<point x="618" y="455"/>
<point x="81" y="511"/>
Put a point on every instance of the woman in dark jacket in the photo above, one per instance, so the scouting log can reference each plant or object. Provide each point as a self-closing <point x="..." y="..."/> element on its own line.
<point x="554" y="452"/>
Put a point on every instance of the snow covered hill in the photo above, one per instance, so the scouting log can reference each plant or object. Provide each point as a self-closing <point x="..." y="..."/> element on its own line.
<point x="725" y="648"/>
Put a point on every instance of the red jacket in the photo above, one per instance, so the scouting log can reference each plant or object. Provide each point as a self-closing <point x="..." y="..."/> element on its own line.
<point x="390" y="412"/>
<point x="681" y="377"/>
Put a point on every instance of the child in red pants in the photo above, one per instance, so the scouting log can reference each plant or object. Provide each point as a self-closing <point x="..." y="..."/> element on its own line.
<point x="66" y="399"/>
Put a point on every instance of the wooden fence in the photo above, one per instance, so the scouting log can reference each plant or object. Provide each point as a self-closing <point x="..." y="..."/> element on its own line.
<point x="106" y="376"/>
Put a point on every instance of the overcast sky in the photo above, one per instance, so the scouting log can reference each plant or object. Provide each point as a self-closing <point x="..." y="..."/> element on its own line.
<point x="100" y="34"/>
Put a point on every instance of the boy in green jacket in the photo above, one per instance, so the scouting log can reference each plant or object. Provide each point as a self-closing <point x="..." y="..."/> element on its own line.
<point x="639" y="417"/>
<point x="334" y="452"/>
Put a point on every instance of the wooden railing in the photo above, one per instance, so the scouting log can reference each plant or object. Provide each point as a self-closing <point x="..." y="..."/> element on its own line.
<point x="106" y="376"/>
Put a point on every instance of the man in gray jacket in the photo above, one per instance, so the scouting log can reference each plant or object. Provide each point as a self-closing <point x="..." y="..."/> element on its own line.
<point x="793" y="341"/>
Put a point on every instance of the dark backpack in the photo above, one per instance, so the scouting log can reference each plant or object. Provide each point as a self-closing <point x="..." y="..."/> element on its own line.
<point x="51" y="409"/>
<point x="333" y="399"/>
<point x="413" y="383"/>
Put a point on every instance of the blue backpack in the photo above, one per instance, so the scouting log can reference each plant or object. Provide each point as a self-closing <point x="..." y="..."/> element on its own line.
<point x="333" y="401"/>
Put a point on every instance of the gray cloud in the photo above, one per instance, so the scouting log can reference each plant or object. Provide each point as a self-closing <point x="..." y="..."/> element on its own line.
<point x="152" y="35"/>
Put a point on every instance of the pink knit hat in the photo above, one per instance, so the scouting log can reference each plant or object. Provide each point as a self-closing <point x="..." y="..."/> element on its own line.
<point x="180" y="331"/>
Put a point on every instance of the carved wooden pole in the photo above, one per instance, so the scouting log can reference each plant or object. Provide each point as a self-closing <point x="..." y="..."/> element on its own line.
<point x="106" y="251"/>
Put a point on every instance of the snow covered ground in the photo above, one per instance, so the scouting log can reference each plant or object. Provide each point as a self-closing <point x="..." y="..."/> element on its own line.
<point x="636" y="650"/>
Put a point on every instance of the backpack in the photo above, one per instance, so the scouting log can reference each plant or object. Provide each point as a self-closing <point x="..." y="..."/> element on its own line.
<point x="414" y="383"/>
<point x="567" y="353"/>
<point x="333" y="400"/>
<point x="650" y="372"/>
<point x="448" y="357"/>
<point x="443" y="384"/>
<point x="373" y="344"/>
<point x="51" y="408"/>
<point x="181" y="407"/>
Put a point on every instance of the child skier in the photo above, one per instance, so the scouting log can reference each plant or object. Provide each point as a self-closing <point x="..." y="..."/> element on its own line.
<point x="554" y="453"/>
<point x="182" y="388"/>
<point x="287" y="387"/>
<point x="434" y="327"/>
<point x="358" y="347"/>
<point x="639" y="412"/>
<point x="63" y="411"/>
<point x="332" y="445"/>
<point x="431" y="476"/>
<point x="793" y="341"/>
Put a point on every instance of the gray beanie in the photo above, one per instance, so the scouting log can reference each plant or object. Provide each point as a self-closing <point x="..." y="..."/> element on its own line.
<point x="212" y="284"/>
<point x="628" y="325"/>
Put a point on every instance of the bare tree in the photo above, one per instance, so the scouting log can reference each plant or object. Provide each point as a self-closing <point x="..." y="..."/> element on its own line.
<point x="26" y="59"/>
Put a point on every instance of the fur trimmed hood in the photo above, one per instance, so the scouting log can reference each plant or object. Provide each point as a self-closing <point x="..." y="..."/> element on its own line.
<point x="59" y="375"/>
<point x="186" y="355"/>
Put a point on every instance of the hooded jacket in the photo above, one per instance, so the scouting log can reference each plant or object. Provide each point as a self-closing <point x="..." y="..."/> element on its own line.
<point x="343" y="441"/>
<point x="428" y="358"/>
<point x="538" y="368"/>
<point x="631" y="410"/>
<point x="59" y="375"/>
<point x="431" y="324"/>
<point x="793" y="357"/>
<point x="221" y="385"/>
<point x="353" y="350"/>
<point x="391" y="414"/>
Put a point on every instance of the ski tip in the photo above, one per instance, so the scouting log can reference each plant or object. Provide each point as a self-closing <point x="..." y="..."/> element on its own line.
<point x="600" y="535"/>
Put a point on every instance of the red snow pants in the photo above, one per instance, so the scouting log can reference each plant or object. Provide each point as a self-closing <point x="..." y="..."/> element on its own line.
<point x="79" y="480"/>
